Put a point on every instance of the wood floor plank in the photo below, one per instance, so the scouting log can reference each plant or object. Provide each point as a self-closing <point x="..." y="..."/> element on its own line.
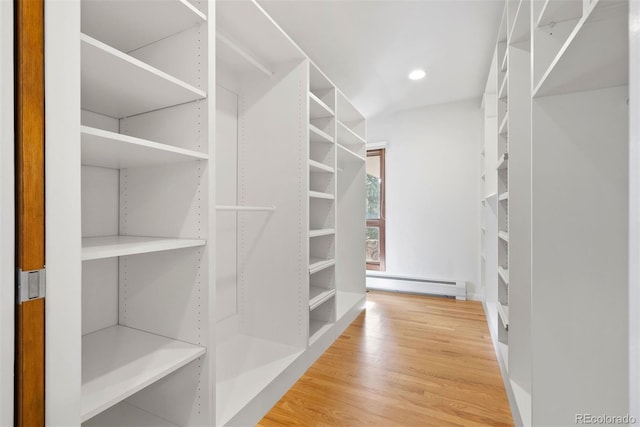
<point x="409" y="360"/>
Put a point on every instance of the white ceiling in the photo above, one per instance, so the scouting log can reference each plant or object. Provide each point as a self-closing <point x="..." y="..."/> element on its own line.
<point x="368" y="47"/>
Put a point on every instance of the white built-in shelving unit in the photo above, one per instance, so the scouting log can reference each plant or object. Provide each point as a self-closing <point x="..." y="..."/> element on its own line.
<point x="199" y="260"/>
<point x="579" y="248"/>
<point x="483" y="212"/>
<point x="261" y="116"/>
<point x="503" y="50"/>
<point x="285" y="290"/>
<point x="488" y="191"/>
<point x="351" y="197"/>
<point x="322" y="204"/>
<point x="140" y="153"/>
<point x="506" y="312"/>
<point x="561" y="73"/>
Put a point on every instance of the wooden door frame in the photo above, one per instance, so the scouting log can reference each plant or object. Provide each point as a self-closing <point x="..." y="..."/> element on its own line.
<point x="380" y="223"/>
<point x="30" y="237"/>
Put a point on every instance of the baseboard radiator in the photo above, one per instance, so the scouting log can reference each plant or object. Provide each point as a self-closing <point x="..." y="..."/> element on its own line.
<point x="415" y="285"/>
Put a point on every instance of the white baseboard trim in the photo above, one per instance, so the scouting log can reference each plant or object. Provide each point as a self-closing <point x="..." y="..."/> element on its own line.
<point x="416" y="285"/>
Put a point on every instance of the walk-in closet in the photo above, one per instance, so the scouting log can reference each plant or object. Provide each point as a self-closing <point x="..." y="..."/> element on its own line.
<point x="277" y="212"/>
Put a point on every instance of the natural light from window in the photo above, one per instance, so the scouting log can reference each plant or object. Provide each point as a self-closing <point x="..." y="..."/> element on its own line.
<point x="375" y="210"/>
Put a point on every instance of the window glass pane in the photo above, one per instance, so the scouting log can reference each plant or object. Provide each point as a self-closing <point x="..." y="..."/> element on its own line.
<point x="373" y="244"/>
<point x="373" y="187"/>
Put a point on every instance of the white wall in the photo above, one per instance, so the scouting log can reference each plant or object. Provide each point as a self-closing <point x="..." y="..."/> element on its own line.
<point x="6" y="217"/>
<point x="432" y="190"/>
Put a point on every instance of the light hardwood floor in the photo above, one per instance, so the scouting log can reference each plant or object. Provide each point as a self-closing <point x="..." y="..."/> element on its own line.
<point x="407" y="361"/>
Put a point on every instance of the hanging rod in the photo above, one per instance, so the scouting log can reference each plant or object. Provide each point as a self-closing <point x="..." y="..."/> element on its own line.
<point x="246" y="208"/>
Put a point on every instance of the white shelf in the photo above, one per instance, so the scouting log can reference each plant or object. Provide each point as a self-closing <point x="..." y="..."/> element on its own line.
<point x="245" y="366"/>
<point x="320" y="195"/>
<point x="113" y="150"/>
<point x="504" y="236"/>
<point x="118" y="85"/>
<point x="554" y="11"/>
<point x="318" y="81"/>
<point x="503" y="314"/>
<point x="594" y="56"/>
<point x="504" y="274"/>
<point x="261" y="43"/>
<point x="114" y="246"/>
<point x="348" y="138"/>
<point x="520" y="29"/>
<point x="504" y="196"/>
<point x="318" y="296"/>
<point x="347" y="113"/>
<point x="503" y="29"/>
<point x="320" y="167"/>
<point x="347" y="156"/>
<point x="317" y="328"/>
<point x="504" y="353"/>
<point x="503" y="129"/>
<point x="237" y="208"/>
<point x="240" y="59"/>
<point x="492" y="319"/>
<point x="503" y="93"/>
<point x="119" y="361"/>
<point x="322" y="232"/>
<point x="503" y="161"/>
<point x="505" y="61"/>
<point x="318" y="109"/>
<point x="319" y="264"/>
<point x="139" y="23"/>
<point x="124" y="414"/>
<point x="316" y="135"/>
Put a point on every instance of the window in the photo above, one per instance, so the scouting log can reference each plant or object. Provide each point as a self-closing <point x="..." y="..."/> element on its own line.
<point x="375" y="210"/>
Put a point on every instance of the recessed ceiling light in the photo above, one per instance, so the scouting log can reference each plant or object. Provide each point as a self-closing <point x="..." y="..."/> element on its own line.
<point x="417" y="74"/>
